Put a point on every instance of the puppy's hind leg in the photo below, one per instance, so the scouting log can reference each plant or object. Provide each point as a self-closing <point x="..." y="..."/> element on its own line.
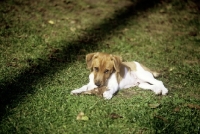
<point x="149" y="82"/>
<point x="148" y="86"/>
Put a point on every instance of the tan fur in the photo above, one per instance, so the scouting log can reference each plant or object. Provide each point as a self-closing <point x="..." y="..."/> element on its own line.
<point x="102" y="65"/>
<point x="131" y="65"/>
<point x="97" y="91"/>
<point x="133" y="68"/>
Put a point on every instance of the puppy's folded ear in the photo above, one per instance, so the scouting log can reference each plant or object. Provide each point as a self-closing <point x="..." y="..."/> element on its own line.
<point x="117" y="62"/>
<point x="89" y="58"/>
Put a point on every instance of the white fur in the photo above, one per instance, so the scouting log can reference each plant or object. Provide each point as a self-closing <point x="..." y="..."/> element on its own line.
<point x="140" y="78"/>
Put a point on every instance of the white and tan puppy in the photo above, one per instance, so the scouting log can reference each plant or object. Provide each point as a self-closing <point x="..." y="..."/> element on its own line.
<point x="109" y="70"/>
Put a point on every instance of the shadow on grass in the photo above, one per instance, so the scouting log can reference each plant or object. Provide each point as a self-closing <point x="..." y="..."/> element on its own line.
<point x="11" y="92"/>
<point x="181" y="119"/>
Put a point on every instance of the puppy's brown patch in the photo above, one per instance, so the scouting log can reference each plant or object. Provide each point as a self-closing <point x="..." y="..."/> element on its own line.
<point x="132" y="67"/>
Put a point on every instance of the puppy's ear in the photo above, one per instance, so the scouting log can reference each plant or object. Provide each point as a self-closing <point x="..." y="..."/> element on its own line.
<point x="89" y="58"/>
<point x="117" y="62"/>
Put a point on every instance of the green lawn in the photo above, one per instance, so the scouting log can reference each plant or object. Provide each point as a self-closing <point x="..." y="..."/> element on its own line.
<point x="43" y="44"/>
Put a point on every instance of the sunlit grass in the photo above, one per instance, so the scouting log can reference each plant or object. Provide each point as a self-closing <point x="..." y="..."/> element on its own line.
<point x="42" y="53"/>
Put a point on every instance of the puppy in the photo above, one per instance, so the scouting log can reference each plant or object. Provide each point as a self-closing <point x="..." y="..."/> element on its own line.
<point x="109" y="70"/>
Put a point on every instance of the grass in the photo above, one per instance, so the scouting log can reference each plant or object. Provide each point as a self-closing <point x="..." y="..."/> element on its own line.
<point x="42" y="52"/>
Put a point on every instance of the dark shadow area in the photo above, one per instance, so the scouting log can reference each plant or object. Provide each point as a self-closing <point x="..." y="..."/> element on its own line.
<point x="164" y="125"/>
<point x="197" y="4"/>
<point x="12" y="92"/>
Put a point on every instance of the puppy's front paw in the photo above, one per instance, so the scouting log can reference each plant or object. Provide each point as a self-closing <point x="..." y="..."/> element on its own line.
<point x="164" y="91"/>
<point x="74" y="92"/>
<point x="107" y="95"/>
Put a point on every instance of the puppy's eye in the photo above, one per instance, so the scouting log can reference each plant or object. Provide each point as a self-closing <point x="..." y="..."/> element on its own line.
<point x="106" y="71"/>
<point x="96" y="69"/>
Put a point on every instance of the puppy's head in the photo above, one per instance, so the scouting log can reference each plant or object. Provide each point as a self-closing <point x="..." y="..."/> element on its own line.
<point x="103" y="65"/>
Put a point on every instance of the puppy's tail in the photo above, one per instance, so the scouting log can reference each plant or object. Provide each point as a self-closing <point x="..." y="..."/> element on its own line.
<point x="155" y="74"/>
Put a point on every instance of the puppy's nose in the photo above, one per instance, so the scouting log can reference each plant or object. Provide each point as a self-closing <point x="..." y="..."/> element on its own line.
<point x="98" y="83"/>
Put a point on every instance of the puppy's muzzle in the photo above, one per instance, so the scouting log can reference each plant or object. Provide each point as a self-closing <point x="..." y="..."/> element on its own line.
<point x="98" y="83"/>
